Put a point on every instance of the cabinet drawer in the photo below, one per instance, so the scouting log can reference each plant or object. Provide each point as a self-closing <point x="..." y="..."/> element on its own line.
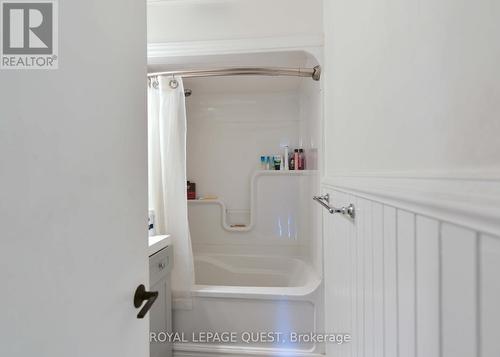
<point x="160" y="265"/>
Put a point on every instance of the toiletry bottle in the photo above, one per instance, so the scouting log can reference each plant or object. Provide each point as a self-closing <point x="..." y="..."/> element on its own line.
<point x="151" y="223"/>
<point x="282" y="163"/>
<point x="270" y="163"/>
<point x="277" y="162"/>
<point x="263" y="165"/>
<point x="286" y="159"/>
<point x="292" y="161"/>
<point x="191" y="190"/>
<point x="296" y="159"/>
<point x="302" y="160"/>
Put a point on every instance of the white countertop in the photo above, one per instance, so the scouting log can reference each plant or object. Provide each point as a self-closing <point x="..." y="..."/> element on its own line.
<point x="157" y="243"/>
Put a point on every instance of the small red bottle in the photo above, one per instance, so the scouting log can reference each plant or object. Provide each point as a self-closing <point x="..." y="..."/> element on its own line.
<point x="296" y="160"/>
<point x="302" y="159"/>
<point x="191" y="190"/>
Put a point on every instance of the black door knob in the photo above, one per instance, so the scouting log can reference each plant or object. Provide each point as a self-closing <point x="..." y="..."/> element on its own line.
<point x="142" y="295"/>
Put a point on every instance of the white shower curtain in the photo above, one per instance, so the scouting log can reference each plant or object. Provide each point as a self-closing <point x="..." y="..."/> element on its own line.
<point x="167" y="179"/>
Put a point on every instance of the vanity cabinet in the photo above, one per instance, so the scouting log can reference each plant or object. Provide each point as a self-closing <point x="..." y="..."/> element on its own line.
<point x="160" y="315"/>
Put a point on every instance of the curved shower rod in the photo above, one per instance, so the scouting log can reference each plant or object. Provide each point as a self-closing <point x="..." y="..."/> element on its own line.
<point x="314" y="73"/>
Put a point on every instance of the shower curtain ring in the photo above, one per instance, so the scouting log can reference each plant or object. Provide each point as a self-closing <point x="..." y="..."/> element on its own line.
<point x="155" y="83"/>
<point x="173" y="83"/>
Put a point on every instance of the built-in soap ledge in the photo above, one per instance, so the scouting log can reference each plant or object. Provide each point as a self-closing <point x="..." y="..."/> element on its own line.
<point x="253" y="193"/>
<point x="225" y="224"/>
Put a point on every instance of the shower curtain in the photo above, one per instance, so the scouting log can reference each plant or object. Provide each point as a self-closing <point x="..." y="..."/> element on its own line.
<point x="167" y="178"/>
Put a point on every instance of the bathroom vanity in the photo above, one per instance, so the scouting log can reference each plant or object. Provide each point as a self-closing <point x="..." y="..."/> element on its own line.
<point x="160" y="315"/>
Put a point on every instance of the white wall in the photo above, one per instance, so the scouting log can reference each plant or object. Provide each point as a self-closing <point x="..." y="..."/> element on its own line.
<point x="73" y="193"/>
<point x="231" y="125"/>
<point x="195" y="20"/>
<point x="412" y="85"/>
<point x="232" y="121"/>
<point x="404" y="283"/>
<point x="412" y="100"/>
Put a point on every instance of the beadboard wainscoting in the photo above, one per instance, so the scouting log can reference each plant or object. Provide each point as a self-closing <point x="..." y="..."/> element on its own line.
<point x="412" y="279"/>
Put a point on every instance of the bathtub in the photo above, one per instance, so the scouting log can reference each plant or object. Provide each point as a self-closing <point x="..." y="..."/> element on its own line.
<point x="260" y="293"/>
<point x="252" y="275"/>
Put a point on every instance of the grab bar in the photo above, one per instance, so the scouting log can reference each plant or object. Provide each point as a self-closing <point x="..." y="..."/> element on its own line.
<point x="325" y="202"/>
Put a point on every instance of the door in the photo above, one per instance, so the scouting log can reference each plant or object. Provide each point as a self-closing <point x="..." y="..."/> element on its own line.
<point x="73" y="189"/>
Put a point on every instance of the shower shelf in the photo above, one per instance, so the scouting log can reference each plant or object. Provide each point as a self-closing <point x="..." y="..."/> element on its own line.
<point x="255" y="175"/>
<point x="285" y="173"/>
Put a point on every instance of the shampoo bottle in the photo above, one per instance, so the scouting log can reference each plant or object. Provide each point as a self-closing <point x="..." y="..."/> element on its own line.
<point x="302" y="160"/>
<point x="263" y="164"/>
<point x="296" y="159"/>
<point x="277" y="162"/>
<point x="286" y="159"/>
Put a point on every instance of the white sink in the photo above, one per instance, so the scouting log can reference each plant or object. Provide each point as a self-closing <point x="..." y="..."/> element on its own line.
<point x="157" y="243"/>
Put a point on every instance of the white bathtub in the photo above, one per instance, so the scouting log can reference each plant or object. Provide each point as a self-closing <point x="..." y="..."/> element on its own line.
<point x="253" y="275"/>
<point x="240" y="293"/>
